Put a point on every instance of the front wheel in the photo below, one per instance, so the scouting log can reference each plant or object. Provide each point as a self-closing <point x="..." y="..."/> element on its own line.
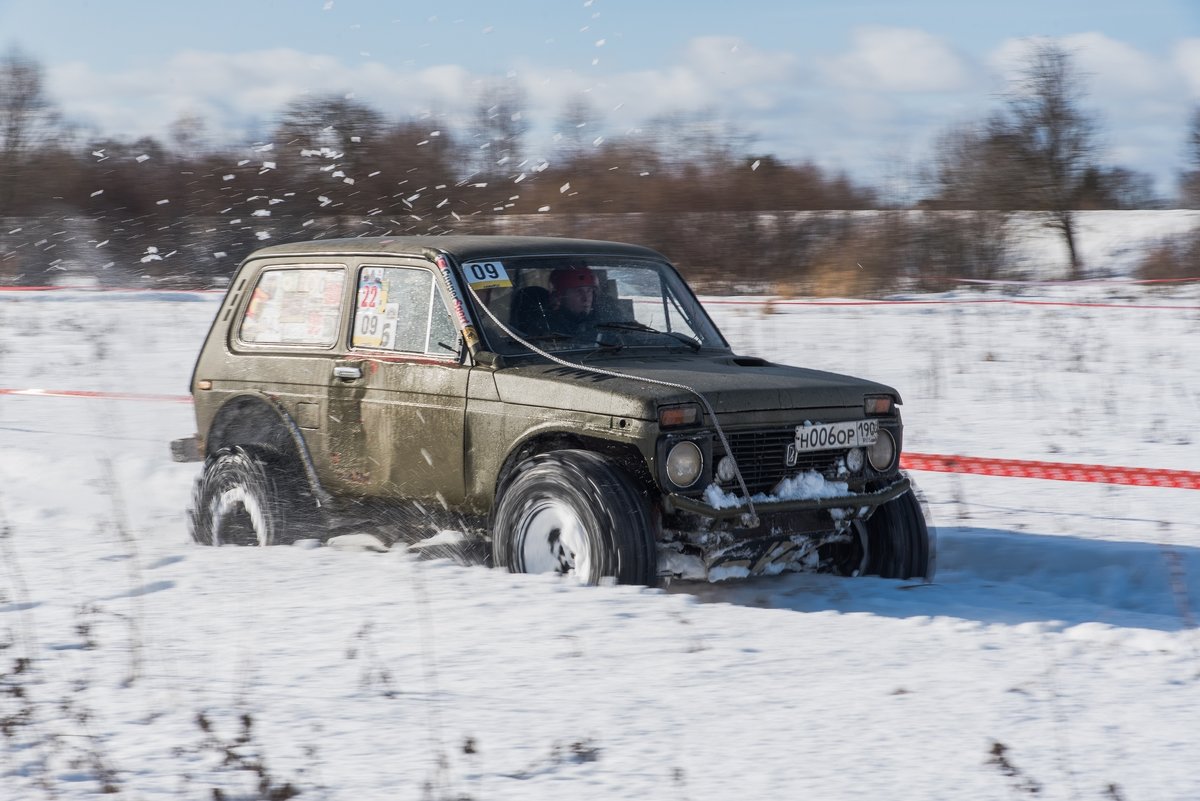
<point x="576" y="513"/>
<point x="250" y="496"/>
<point x="898" y="544"/>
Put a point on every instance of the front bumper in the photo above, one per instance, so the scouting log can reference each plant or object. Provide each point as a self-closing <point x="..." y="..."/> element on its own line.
<point x="855" y="505"/>
<point x="707" y="543"/>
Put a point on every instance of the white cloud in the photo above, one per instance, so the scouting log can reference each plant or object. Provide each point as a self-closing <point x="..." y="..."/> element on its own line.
<point x="892" y="86"/>
<point x="232" y="91"/>
<point x="899" y="60"/>
<point x="1110" y="68"/>
<point x="1187" y="62"/>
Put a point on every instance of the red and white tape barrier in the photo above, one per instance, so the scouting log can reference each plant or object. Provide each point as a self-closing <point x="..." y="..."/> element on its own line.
<point x="79" y="393"/>
<point x="929" y="462"/>
<point x="1054" y="471"/>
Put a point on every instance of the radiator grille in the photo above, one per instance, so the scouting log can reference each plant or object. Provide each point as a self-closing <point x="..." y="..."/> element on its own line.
<point x="762" y="457"/>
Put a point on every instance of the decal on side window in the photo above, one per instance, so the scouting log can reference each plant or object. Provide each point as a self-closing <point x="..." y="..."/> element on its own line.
<point x="400" y="309"/>
<point x="294" y="306"/>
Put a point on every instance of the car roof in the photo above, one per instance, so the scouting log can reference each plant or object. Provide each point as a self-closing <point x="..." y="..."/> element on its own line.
<point x="461" y="247"/>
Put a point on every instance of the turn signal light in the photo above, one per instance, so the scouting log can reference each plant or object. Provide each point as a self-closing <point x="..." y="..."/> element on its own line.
<point x="674" y="416"/>
<point x="878" y="404"/>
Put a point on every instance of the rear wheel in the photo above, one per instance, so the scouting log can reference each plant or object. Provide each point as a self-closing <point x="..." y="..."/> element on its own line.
<point x="575" y="513"/>
<point x="897" y="540"/>
<point x="251" y="496"/>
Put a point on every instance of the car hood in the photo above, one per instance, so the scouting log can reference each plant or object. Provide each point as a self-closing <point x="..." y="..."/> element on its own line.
<point x="732" y="384"/>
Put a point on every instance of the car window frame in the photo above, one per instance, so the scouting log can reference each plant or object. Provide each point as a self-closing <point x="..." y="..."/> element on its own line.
<point x="238" y="318"/>
<point x="405" y="355"/>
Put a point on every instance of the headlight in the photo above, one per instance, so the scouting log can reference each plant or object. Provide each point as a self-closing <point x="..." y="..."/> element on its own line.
<point x="883" y="452"/>
<point x="685" y="462"/>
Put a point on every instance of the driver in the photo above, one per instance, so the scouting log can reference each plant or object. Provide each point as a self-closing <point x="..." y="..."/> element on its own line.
<point x="572" y="299"/>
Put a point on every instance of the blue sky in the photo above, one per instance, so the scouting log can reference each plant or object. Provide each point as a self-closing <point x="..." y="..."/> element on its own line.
<point x="857" y="85"/>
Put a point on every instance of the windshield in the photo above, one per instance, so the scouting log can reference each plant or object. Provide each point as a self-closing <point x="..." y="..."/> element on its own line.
<point x="594" y="303"/>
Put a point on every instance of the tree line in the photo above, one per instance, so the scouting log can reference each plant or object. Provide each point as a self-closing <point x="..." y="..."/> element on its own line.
<point x="183" y="209"/>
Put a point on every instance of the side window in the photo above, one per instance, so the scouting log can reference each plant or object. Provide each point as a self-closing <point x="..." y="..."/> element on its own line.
<point x="294" y="306"/>
<point x="399" y="309"/>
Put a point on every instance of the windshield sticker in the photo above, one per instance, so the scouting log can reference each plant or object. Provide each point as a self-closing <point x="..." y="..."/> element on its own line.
<point x="486" y="274"/>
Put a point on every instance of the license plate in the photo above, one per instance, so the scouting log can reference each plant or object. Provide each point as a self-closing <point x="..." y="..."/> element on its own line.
<point x="835" y="436"/>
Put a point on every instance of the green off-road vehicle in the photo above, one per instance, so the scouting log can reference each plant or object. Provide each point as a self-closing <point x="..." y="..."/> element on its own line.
<point x="567" y="403"/>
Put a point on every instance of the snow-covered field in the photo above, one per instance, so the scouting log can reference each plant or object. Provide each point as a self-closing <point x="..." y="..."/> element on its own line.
<point x="1055" y="655"/>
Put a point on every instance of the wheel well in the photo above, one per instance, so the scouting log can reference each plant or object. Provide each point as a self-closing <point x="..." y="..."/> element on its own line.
<point x="625" y="455"/>
<point x="259" y="421"/>
<point x="250" y="421"/>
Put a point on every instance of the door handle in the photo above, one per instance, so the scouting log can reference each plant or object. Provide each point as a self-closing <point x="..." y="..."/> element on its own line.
<point x="347" y="371"/>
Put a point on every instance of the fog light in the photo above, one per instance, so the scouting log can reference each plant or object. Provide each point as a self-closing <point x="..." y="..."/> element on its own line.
<point x="882" y="453"/>
<point x="725" y="470"/>
<point x="684" y="464"/>
<point x="854" y="460"/>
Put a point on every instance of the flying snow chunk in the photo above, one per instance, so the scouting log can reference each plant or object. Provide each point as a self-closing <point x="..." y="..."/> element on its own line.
<point x="562" y="189"/>
<point x="263" y="234"/>
<point x="599" y="43"/>
<point x="98" y="192"/>
<point x="220" y="254"/>
<point x="260" y="213"/>
<point x="163" y="202"/>
<point x="356" y="139"/>
<point x="543" y="208"/>
<point x="268" y="165"/>
<point x="227" y="177"/>
<point x="141" y="158"/>
<point x="102" y="244"/>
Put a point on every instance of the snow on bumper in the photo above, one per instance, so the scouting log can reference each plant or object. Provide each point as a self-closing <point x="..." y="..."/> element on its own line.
<point x="850" y="505"/>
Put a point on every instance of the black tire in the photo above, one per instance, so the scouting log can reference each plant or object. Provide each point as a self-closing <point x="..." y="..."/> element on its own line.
<point x="898" y="543"/>
<point x="251" y="496"/>
<point x="575" y="511"/>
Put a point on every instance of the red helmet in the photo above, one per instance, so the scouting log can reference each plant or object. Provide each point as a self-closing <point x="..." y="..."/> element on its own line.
<point x="566" y="278"/>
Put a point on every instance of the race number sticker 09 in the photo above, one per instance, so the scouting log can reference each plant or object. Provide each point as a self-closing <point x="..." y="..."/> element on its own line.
<point x="486" y="274"/>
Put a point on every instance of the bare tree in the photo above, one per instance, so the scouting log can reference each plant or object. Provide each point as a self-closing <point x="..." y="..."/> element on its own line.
<point x="1189" y="183"/>
<point x="500" y="128"/>
<point x="1050" y="140"/>
<point x="27" y="120"/>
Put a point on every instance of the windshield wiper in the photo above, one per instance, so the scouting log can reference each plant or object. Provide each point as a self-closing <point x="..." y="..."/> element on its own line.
<point x="634" y="325"/>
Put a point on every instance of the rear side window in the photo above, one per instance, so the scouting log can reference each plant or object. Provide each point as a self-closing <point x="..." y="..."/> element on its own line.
<point x="294" y="306"/>
<point x="400" y="309"/>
